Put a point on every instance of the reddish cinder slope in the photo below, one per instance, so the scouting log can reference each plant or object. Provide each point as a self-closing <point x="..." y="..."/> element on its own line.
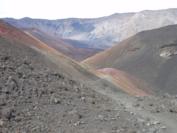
<point x="124" y="81"/>
<point x="64" y="63"/>
<point x="9" y="32"/>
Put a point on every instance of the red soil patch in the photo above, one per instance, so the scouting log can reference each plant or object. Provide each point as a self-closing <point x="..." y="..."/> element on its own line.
<point x="124" y="81"/>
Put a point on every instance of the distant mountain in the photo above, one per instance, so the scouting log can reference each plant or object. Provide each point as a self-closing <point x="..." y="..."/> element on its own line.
<point x="100" y="32"/>
<point x="150" y="56"/>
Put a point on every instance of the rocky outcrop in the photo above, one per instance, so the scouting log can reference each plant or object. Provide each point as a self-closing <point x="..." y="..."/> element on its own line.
<point x="168" y="51"/>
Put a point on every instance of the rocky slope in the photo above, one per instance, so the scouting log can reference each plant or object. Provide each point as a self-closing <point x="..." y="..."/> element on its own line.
<point x="36" y="97"/>
<point x="149" y="55"/>
<point x="101" y="32"/>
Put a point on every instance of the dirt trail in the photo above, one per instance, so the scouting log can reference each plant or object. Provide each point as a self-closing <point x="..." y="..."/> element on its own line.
<point x="167" y="119"/>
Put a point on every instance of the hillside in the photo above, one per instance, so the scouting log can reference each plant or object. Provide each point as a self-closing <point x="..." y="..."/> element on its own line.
<point x="100" y="32"/>
<point x="149" y="55"/>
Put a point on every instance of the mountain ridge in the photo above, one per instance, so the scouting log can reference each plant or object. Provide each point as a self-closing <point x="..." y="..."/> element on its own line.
<point x="101" y="32"/>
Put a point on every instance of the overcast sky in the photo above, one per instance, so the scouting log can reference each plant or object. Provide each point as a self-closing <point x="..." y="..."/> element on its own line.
<point x="56" y="9"/>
